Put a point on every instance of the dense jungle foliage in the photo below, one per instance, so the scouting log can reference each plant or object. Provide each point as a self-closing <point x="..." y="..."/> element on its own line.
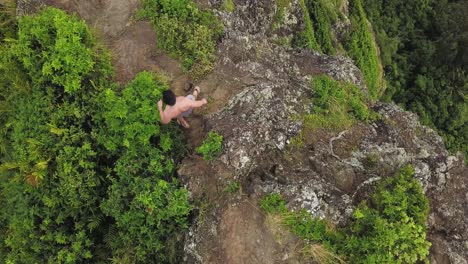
<point x="424" y="50"/>
<point x="86" y="171"/>
<point x="423" y="54"/>
<point x="388" y="228"/>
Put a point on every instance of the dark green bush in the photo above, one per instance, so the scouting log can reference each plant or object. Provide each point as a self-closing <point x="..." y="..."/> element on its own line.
<point x="211" y="147"/>
<point x="185" y="31"/>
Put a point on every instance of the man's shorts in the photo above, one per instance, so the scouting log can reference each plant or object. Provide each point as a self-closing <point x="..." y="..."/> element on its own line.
<point x="188" y="112"/>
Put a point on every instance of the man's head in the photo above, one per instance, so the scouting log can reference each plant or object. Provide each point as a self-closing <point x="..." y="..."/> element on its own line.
<point x="169" y="97"/>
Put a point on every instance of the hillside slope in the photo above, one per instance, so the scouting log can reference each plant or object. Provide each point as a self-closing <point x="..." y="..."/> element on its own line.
<point x="258" y="90"/>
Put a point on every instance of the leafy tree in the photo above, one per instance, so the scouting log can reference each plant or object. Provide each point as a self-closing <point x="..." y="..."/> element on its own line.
<point x="391" y="228"/>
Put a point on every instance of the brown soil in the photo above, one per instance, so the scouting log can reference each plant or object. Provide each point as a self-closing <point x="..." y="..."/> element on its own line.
<point x="245" y="239"/>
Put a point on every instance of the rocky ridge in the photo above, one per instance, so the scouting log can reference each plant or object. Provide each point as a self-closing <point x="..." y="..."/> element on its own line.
<point x="328" y="177"/>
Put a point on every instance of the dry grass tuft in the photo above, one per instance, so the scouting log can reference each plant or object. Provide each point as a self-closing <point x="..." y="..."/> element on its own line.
<point x="277" y="226"/>
<point x="317" y="253"/>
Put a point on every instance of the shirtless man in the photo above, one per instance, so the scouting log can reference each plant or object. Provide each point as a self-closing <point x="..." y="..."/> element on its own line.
<point x="179" y="107"/>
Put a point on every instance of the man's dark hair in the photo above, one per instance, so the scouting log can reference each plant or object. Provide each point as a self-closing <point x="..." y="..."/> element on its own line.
<point x="169" y="97"/>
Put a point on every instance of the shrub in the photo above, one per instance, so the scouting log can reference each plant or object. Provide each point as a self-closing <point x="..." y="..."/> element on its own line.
<point x="233" y="187"/>
<point x="336" y="105"/>
<point x="131" y="116"/>
<point x="391" y="230"/>
<point x="185" y="31"/>
<point x="54" y="48"/>
<point x="49" y="184"/>
<point x="145" y="203"/>
<point x="273" y="203"/>
<point x="211" y="146"/>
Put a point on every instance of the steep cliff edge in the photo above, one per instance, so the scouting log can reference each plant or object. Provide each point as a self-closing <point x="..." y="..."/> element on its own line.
<point x="327" y="176"/>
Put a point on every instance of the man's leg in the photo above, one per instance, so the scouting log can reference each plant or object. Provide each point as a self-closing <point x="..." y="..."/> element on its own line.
<point x="182" y="122"/>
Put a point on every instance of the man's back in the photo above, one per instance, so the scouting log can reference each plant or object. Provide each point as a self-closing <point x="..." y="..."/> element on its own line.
<point x="179" y="107"/>
<point x="182" y="104"/>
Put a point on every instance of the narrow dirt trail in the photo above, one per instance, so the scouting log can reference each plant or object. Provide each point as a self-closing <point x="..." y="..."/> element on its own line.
<point x="133" y="45"/>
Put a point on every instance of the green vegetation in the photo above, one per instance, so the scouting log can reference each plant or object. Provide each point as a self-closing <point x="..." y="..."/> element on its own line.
<point x="306" y="38"/>
<point x="321" y="14"/>
<point x="228" y="5"/>
<point x="211" y="147"/>
<point x="185" y="31"/>
<point x="361" y="48"/>
<point x="394" y="228"/>
<point x="336" y="106"/>
<point x="233" y="187"/>
<point x="423" y="51"/>
<point x="85" y="170"/>
<point x="390" y="228"/>
<point x="146" y="208"/>
<point x="281" y="6"/>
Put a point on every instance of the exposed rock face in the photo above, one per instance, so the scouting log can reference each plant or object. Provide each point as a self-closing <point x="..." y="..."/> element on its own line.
<point x="329" y="177"/>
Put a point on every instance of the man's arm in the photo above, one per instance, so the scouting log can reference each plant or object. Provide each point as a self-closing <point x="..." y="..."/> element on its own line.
<point x="161" y="113"/>
<point x="199" y="103"/>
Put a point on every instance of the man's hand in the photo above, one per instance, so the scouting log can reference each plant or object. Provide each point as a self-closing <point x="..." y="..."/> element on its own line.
<point x="160" y="104"/>
<point x="204" y="101"/>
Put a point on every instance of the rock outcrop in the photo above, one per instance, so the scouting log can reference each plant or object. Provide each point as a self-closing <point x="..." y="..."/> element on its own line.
<point x="327" y="177"/>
